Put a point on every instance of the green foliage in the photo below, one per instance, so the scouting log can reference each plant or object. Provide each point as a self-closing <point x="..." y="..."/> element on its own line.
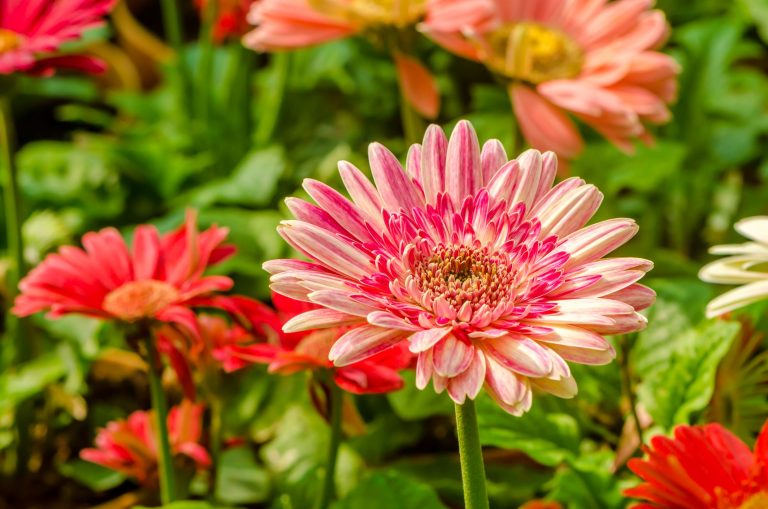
<point x="384" y="490"/>
<point x="240" y="479"/>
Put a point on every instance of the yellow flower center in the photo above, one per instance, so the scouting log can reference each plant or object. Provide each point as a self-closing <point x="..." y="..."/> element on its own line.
<point x="756" y="501"/>
<point x="533" y="53"/>
<point x="140" y="299"/>
<point x="366" y="13"/>
<point x="9" y="40"/>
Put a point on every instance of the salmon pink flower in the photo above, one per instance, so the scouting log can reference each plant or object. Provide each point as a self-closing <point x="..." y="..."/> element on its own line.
<point x="702" y="467"/>
<point x="33" y="31"/>
<point x="486" y="269"/>
<point x="747" y="265"/>
<point x="595" y="59"/>
<point x="292" y="24"/>
<point x="158" y="280"/>
<point x="128" y="446"/>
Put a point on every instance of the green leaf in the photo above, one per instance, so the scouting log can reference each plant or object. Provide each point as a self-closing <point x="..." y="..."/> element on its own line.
<point x="388" y="489"/>
<point x="253" y="183"/>
<point x="411" y="404"/>
<point x="682" y="386"/>
<point x="297" y="455"/>
<point x="547" y="437"/>
<point x="94" y="476"/>
<point x="30" y="379"/>
<point x="186" y="504"/>
<point x="240" y="479"/>
<point x="758" y="11"/>
<point x="588" y="482"/>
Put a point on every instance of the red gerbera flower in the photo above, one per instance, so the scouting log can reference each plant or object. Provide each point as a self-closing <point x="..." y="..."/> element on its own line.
<point x="157" y="281"/>
<point x="128" y="446"/>
<point x="230" y="19"/>
<point x="32" y="31"/>
<point x="702" y="467"/>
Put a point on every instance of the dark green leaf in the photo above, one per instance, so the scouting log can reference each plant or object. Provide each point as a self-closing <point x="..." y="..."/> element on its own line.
<point x="389" y="489"/>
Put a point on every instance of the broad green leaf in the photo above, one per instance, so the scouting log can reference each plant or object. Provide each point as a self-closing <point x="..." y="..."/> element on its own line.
<point x="547" y="437"/>
<point x="94" y="476"/>
<point x="253" y="183"/>
<point x="758" y="11"/>
<point x="297" y="456"/>
<point x="588" y="483"/>
<point x="389" y="489"/>
<point x="30" y="378"/>
<point x="240" y="479"/>
<point x="682" y="386"/>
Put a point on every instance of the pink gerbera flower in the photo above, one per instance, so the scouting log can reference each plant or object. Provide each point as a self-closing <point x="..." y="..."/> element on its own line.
<point x="32" y="31"/>
<point x="292" y="24"/>
<point x="484" y="267"/>
<point x="128" y="446"/>
<point x="158" y="280"/>
<point x="702" y="467"/>
<point x="595" y="59"/>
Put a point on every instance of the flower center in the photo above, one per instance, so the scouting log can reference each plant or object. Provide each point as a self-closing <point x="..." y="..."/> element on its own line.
<point x="533" y="53"/>
<point x="373" y="12"/>
<point x="756" y="501"/>
<point x="140" y="299"/>
<point x="9" y="40"/>
<point x="461" y="275"/>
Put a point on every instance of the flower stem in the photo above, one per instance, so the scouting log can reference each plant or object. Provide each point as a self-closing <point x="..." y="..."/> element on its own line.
<point x="626" y="379"/>
<point x="328" y="493"/>
<point x="11" y="190"/>
<point x="471" y="455"/>
<point x="172" y="24"/>
<point x="164" y="456"/>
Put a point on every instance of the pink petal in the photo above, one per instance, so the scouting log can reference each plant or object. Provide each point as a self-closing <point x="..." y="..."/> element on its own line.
<point x="362" y="342"/>
<point x="397" y="190"/>
<point x="319" y="319"/>
<point x="452" y="356"/>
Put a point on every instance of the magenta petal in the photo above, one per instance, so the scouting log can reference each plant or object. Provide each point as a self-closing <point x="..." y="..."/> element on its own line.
<point x="452" y="356"/>
<point x="464" y="172"/>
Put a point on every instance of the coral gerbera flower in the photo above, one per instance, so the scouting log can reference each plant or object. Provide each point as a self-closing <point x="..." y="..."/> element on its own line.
<point x="128" y="446"/>
<point x="747" y="265"/>
<point x="31" y="34"/>
<point x="594" y="59"/>
<point x="230" y="19"/>
<point x="484" y="267"/>
<point x="157" y="281"/>
<point x="292" y="24"/>
<point x="702" y="467"/>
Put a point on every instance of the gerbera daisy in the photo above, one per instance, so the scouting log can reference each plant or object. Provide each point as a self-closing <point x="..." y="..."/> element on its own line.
<point x="292" y="24"/>
<point x="747" y="265"/>
<point x="702" y="467"/>
<point x="158" y="280"/>
<point x="32" y="32"/>
<point x="595" y="59"/>
<point x="128" y="446"/>
<point x="486" y="269"/>
<point x="230" y="19"/>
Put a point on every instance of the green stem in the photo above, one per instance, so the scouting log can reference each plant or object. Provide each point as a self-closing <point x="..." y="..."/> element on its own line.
<point x="172" y="24"/>
<point x="11" y="193"/>
<point x="336" y="402"/>
<point x="626" y="378"/>
<point x="272" y="101"/>
<point x="471" y="454"/>
<point x="203" y="92"/>
<point x="164" y="456"/>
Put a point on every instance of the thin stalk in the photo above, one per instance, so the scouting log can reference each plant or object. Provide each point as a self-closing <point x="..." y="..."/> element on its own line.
<point x="12" y="201"/>
<point x="164" y="456"/>
<point x="203" y="92"/>
<point x="328" y="493"/>
<point x="626" y="378"/>
<point x="413" y="125"/>
<point x="172" y="25"/>
<point x="471" y="455"/>
<point x="272" y="102"/>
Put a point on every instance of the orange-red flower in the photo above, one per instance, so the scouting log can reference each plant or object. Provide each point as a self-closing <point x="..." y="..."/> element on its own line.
<point x="32" y="32"/>
<point x="158" y="280"/>
<point x="702" y="467"/>
<point x="230" y="21"/>
<point x="128" y="446"/>
<point x="595" y="59"/>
